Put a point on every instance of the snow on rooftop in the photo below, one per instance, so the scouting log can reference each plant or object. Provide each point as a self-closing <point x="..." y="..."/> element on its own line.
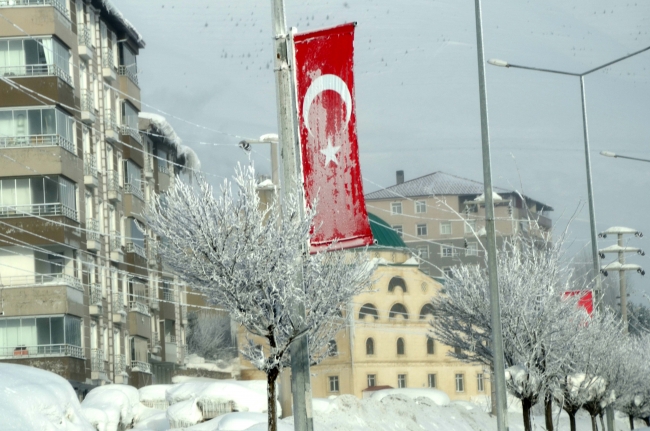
<point x="117" y="15"/>
<point x="171" y="138"/>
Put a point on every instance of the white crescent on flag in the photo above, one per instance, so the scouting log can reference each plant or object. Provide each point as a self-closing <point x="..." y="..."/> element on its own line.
<point x="320" y="84"/>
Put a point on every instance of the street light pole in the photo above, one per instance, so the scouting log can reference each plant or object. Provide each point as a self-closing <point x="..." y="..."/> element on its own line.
<point x="619" y="156"/>
<point x="495" y="307"/>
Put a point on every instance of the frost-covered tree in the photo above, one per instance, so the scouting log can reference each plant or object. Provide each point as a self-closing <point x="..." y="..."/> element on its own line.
<point x="248" y="260"/>
<point x="208" y="335"/>
<point x="633" y="385"/>
<point x="538" y="321"/>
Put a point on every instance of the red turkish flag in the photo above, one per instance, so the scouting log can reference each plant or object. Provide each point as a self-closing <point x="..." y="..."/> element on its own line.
<point x="328" y="137"/>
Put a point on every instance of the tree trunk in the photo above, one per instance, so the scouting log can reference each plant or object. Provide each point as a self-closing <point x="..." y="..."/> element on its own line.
<point x="271" y="378"/>
<point x="647" y="421"/>
<point x="594" y="425"/>
<point x="602" y="421"/>
<point x="631" y="421"/>
<point x="526" y="405"/>
<point x="548" y="412"/>
<point x="572" y="420"/>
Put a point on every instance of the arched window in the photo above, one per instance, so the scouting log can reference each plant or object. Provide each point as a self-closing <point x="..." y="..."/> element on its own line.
<point x="398" y="310"/>
<point x="400" y="346"/>
<point x="397" y="282"/>
<point x="430" y="346"/>
<point x="426" y="310"/>
<point x="368" y="310"/>
<point x="370" y="346"/>
<point x="332" y="349"/>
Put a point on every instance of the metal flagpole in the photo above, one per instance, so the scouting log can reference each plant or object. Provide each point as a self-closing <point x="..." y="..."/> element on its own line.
<point x="287" y="121"/>
<point x="495" y="308"/>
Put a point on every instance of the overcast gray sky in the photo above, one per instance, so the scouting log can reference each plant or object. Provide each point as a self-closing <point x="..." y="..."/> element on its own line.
<point x="209" y="62"/>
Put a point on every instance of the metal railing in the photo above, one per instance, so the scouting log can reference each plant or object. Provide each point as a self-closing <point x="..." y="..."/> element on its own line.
<point x="170" y="338"/>
<point x="120" y="364"/>
<point x="132" y="247"/>
<point x="84" y="36"/>
<point x="156" y="404"/>
<point x="92" y="230"/>
<point x="125" y="71"/>
<point x="162" y="167"/>
<point x="107" y="58"/>
<point x="95" y="294"/>
<point x="97" y="360"/>
<point x="110" y="120"/>
<point x="140" y="308"/>
<point x="143" y="367"/>
<point x="155" y="339"/>
<point x="113" y="182"/>
<point x="23" y="351"/>
<point x="42" y="279"/>
<point x="118" y="303"/>
<point x="116" y="241"/>
<point x="133" y="132"/>
<point x="134" y="189"/>
<point x="36" y="70"/>
<point x="58" y="4"/>
<point x="90" y="164"/>
<point x="54" y="209"/>
<point x="87" y="101"/>
<point x="152" y="249"/>
<point x="211" y="408"/>
<point x="37" y="141"/>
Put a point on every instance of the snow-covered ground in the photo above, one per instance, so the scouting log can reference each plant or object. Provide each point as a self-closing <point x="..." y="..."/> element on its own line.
<point x="33" y="399"/>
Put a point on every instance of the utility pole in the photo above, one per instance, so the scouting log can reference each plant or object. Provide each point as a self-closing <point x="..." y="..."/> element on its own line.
<point x="495" y="307"/>
<point x="288" y="126"/>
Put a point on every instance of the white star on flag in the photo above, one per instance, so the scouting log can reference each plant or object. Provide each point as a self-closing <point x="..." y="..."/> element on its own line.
<point x="330" y="152"/>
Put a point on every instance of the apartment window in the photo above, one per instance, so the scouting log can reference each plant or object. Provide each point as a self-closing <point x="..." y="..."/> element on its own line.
<point x="54" y="195"/>
<point x="396" y="208"/>
<point x="479" y="382"/>
<point x="332" y="349"/>
<point x="421" y="229"/>
<point x="470" y="226"/>
<point x="372" y="380"/>
<point x="447" y="251"/>
<point x="472" y="249"/>
<point x="399" y="229"/>
<point x="130" y="118"/>
<point x="420" y="207"/>
<point x="334" y="383"/>
<point x="40" y="336"/>
<point x="401" y="381"/>
<point x="128" y="63"/>
<point x="448" y="272"/>
<point x="432" y="380"/>
<point x="35" y="57"/>
<point x="370" y="346"/>
<point x="400" y="346"/>
<point x="423" y="251"/>
<point x="430" y="346"/>
<point x="460" y="383"/>
<point x="38" y="127"/>
<point x="133" y="179"/>
<point x="445" y="228"/>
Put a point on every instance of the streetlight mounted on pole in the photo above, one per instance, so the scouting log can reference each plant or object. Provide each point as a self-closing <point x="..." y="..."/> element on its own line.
<point x="495" y="307"/>
<point x="619" y="156"/>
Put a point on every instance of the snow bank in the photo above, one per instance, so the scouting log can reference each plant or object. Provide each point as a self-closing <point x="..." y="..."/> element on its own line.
<point x="38" y="400"/>
<point x="435" y="395"/>
<point x="191" y="160"/>
<point x="184" y="414"/>
<point x="111" y="406"/>
<point x="154" y="396"/>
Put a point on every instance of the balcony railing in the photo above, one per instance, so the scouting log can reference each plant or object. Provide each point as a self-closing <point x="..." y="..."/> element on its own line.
<point x="92" y="230"/>
<point x="116" y="241"/>
<point x="152" y="249"/>
<point x="113" y="182"/>
<point x="95" y="294"/>
<point x="97" y="360"/>
<point x="83" y="35"/>
<point x="36" y="70"/>
<point x="107" y="58"/>
<point x="54" y="209"/>
<point x="135" y="248"/>
<point x="42" y="279"/>
<point x="140" y="308"/>
<point x="143" y="367"/>
<point x="87" y="101"/>
<point x="134" y="189"/>
<point x="120" y="364"/>
<point x="37" y="141"/>
<point x="90" y="164"/>
<point x="129" y="73"/>
<point x="155" y="339"/>
<point x="130" y="131"/>
<point x="110" y="120"/>
<point x="162" y="167"/>
<point x="170" y="338"/>
<point x="58" y="4"/>
<point x="23" y="351"/>
<point x="118" y="303"/>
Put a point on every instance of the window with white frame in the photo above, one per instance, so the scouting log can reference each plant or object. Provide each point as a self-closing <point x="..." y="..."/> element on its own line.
<point x="35" y="57"/>
<point x="49" y="126"/>
<point x="470" y="226"/>
<point x="445" y="228"/>
<point x="447" y="251"/>
<point x="399" y="229"/>
<point x="421" y="229"/>
<point x="420" y="207"/>
<point x="40" y="336"/>
<point x="460" y="383"/>
<point x="396" y="208"/>
<point x="334" y="383"/>
<point x="479" y="382"/>
<point x="52" y="195"/>
<point x="448" y="272"/>
<point x="401" y="381"/>
<point x="432" y="380"/>
<point x="423" y="251"/>
<point x="472" y="249"/>
<point x="372" y="380"/>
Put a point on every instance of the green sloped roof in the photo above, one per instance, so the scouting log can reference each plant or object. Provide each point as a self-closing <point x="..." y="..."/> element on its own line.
<point x="384" y="235"/>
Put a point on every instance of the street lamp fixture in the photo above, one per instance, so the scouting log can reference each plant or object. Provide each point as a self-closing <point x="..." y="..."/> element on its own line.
<point x="614" y="155"/>
<point x="269" y="138"/>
